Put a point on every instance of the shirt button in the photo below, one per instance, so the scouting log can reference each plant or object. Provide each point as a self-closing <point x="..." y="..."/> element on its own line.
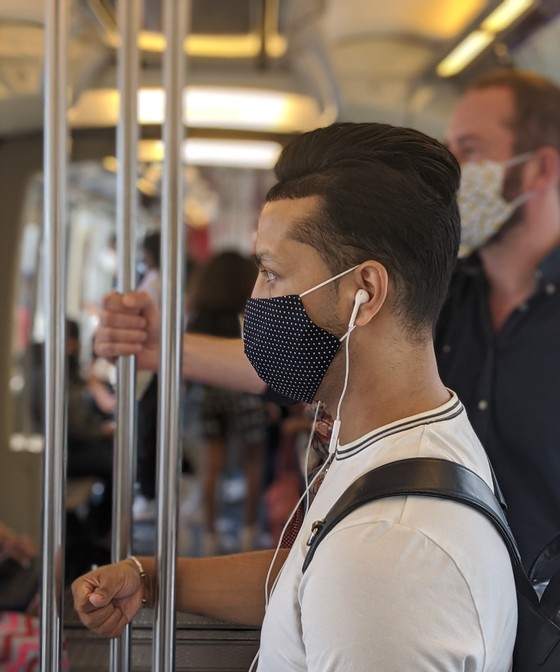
<point x="446" y="348"/>
<point x="523" y="307"/>
<point x="482" y="405"/>
<point x="550" y="289"/>
<point x="538" y="274"/>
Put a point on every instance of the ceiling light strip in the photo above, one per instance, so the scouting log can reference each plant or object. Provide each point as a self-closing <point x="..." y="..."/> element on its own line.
<point x="505" y="15"/>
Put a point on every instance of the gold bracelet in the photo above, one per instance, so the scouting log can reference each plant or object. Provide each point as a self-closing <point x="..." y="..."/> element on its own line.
<point x="142" y="577"/>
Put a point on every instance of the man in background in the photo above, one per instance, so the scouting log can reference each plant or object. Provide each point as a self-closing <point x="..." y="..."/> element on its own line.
<point x="497" y="337"/>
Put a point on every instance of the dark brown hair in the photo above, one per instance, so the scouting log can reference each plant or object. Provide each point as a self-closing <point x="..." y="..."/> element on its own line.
<point x="387" y="194"/>
<point x="536" y="99"/>
<point x="219" y="291"/>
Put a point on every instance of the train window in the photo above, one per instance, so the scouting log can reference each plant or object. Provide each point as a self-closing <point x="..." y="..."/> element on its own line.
<point x="221" y="208"/>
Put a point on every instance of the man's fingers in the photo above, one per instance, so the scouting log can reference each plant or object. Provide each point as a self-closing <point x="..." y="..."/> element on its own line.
<point x="116" y="301"/>
<point x="126" y="323"/>
<point x="131" y="302"/>
<point x="115" y="625"/>
<point x="108" y="621"/>
<point x="105" y="621"/>
<point x="107" y="598"/>
<point x="107" y="334"/>
<point x="81" y="592"/>
<point x="122" y="320"/>
<point x="111" y="350"/>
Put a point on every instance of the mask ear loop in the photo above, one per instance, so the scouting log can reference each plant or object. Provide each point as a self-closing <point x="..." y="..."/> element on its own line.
<point x="515" y="161"/>
<point x="327" y="281"/>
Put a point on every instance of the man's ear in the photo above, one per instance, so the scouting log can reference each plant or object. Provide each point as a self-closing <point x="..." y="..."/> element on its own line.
<point x="373" y="277"/>
<point x="543" y="170"/>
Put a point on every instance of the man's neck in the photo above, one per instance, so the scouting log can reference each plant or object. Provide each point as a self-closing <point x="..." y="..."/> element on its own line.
<point x="510" y="266"/>
<point x="406" y="383"/>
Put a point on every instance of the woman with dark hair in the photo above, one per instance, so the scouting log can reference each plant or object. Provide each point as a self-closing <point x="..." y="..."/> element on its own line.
<point x="228" y="420"/>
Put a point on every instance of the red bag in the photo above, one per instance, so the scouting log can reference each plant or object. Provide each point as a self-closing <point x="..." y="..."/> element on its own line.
<point x="282" y="495"/>
<point x="20" y="646"/>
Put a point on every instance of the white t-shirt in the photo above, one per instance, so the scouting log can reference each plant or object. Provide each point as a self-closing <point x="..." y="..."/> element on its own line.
<point x="403" y="583"/>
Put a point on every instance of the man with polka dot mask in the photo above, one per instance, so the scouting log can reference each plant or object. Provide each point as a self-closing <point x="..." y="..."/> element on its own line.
<point x="355" y="246"/>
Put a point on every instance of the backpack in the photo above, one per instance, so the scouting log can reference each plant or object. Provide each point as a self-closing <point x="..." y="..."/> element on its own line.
<point x="537" y="644"/>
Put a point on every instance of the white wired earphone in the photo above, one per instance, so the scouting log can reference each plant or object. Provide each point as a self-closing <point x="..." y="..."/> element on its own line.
<point x="360" y="298"/>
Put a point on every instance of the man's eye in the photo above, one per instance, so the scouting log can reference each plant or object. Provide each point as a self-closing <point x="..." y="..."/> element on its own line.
<point x="268" y="275"/>
<point x="470" y="152"/>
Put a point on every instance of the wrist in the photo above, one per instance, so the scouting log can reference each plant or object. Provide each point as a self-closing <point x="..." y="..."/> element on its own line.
<point x="148" y="583"/>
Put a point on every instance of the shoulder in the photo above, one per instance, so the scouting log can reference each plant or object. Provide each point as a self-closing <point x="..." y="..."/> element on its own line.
<point x="387" y="589"/>
<point x="402" y="580"/>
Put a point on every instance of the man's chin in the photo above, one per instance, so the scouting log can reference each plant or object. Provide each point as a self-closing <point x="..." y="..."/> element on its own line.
<point x="512" y="224"/>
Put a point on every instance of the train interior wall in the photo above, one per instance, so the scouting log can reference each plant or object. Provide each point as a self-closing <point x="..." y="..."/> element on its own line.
<point x="21" y="472"/>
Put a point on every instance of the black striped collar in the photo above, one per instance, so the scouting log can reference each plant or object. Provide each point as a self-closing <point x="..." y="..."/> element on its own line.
<point x="448" y="411"/>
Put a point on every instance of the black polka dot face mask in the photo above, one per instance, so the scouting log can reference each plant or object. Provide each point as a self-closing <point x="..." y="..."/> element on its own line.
<point x="286" y="348"/>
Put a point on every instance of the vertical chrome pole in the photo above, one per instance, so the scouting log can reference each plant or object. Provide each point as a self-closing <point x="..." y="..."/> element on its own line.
<point x="54" y="279"/>
<point x="124" y="462"/>
<point x="175" y="23"/>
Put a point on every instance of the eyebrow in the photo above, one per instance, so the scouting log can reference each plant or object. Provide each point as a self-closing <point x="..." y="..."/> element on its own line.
<point x="263" y="257"/>
<point x="467" y="137"/>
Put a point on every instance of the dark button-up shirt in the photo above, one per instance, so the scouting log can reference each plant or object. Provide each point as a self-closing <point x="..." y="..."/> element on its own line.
<point x="509" y="383"/>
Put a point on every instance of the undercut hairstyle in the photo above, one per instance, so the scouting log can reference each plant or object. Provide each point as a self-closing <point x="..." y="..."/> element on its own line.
<point x="387" y="194"/>
<point x="536" y="100"/>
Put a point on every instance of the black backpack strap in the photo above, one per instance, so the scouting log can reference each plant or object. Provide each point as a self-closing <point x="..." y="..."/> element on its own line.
<point x="498" y="494"/>
<point x="540" y="570"/>
<point x="427" y="477"/>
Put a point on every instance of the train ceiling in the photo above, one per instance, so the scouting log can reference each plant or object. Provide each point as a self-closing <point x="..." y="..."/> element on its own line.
<point x="357" y="59"/>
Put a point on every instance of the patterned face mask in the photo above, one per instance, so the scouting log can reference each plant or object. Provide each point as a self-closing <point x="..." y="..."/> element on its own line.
<point x="482" y="206"/>
<point x="286" y="348"/>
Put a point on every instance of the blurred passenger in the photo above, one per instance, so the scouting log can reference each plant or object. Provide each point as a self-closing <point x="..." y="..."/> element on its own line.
<point x="144" y="506"/>
<point x="20" y="576"/>
<point x="19" y="573"/>
<point x="151" y="280"/>
<point x="287" y="484"/>
<point x="497" y="336"/>
<point x="89" y="434"/>
<point x="228" y="420"/>
<point x="90" y="429"/>
<point x="14" y="546"/>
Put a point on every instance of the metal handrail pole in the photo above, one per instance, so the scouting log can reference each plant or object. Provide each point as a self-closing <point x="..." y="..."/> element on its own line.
<point x="124" y="458"/>
<point x="54" y="278"/>
<point x="175" y="13"/>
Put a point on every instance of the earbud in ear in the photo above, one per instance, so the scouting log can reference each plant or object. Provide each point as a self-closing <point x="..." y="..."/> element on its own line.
<point x="361" y="297"/>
